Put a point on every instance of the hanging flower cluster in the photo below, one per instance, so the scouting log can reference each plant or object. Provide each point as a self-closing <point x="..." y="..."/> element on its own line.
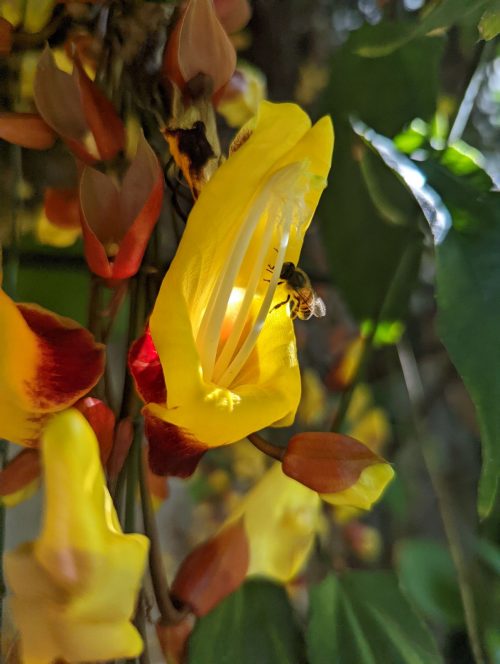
<point x="210" y="349"/>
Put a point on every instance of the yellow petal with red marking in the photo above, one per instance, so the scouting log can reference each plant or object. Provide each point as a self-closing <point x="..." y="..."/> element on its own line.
<point x="75" y="587"/>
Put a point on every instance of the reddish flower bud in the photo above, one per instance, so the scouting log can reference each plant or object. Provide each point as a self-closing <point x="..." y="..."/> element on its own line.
<point x="198" y="45"/>
<point x="117" y="223"/>
<point x="86" y="120"/>
<point x="233" y="14"/>
<point x="28" y="130"/>
<point x="5" y="37"/>
<point x="19" y="472"/>
<point x="213" y="570"/>
<point x="102" y="420"/>
<point x="62" y="207"/>
<point x="341" y="469"/>
<point x="174" y="639"/>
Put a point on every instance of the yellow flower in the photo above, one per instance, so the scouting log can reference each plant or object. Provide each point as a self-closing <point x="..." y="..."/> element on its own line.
<point x="281" y="518"/>
<point x="32" y="14"/>
<point x="75" y="587"/>
<point x="228" y="356"/>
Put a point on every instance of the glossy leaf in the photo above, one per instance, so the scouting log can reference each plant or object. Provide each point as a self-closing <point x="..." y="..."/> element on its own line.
<point x="463" y="219"/>
<point x="364" y="617"/>
<point x="254" y="624"/>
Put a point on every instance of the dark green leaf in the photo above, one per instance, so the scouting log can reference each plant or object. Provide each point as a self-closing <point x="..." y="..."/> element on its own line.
<point x="427" y="574"/>
<point x="384" y="38"/>
<point x="254" y="624"/>
<point x="363" y="617"/>
<point x="468" y="286"/>
<point x="364" y="200"/>
<point x="468" y="293"/>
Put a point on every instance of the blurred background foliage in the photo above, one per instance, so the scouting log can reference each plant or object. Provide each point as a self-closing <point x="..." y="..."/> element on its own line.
<point x="406" y="253"/>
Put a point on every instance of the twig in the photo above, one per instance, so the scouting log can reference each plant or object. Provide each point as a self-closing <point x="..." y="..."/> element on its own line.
<point x="169" y="614"/>
<point x="416" y="395"/>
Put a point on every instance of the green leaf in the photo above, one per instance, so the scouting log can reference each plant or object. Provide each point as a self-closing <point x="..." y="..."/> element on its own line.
<point x="428" y="576"/>
<point x="363" y="617"/>
<point x="367" y="218"/>
<point x="489" y="25"/>
<point x="254" y="624"/>
<point x="464" y="223"/>
<point x="384" y="38"/>
<point x="468" y="294"/>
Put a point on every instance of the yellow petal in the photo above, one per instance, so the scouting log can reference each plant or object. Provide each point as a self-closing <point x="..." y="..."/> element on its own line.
<point x="54" y="236"/>
<point x="13" y="11"/>
<point x="260" y="201"/>
<point x="367" y="490"/>
<point x="281" y="519"/>
<point x="37" y="14"/>
<point x="76" y="586"/>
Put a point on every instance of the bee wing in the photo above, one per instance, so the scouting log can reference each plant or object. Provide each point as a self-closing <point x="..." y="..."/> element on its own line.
<point x="318" y="307"/>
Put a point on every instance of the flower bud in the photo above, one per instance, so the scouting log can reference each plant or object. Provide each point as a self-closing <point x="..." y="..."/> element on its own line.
<point x="213" y="570"/>
<point x="199" y="45"/>
<point x="233" y="14"/>
<point x="341" y="469"/>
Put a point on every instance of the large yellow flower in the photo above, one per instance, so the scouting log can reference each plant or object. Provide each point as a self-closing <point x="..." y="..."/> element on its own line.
<point x="75" y="587"/>
<point x="227" y="355"/>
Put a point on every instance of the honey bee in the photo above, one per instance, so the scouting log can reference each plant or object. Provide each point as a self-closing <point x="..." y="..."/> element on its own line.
<point x="304" y="301"/>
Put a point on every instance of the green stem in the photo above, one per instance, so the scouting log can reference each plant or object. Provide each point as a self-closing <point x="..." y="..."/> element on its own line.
<point x="132" y="472"/>
<point x="416" y="395"/>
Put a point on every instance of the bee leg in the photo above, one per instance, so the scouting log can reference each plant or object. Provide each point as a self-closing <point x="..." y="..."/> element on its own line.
<point x="270" y="268"/>
<point x="267" y="281"/>
<point x="280" y="304"/>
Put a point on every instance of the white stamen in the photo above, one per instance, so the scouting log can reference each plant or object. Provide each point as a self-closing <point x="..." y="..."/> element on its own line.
<point x="281" y="210"/>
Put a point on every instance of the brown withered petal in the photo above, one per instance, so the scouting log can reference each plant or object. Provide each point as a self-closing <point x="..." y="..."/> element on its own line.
<point x="233" y="14"/>
<point x="199" y="45"/>
<point x="327" y="462"/>
<point x="28" y="130"/>
<point x="20" y="471"/>
<point x="213" y="570"/>
<point x="62" y="207"/>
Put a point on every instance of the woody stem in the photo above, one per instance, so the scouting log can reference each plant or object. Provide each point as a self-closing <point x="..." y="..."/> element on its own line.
<point x="169" y="614"/>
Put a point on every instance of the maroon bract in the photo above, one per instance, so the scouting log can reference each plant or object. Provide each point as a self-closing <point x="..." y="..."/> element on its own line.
<point x="74" y="107"/>
<point x="117" y="222"/>
<point x="28" y="130"/>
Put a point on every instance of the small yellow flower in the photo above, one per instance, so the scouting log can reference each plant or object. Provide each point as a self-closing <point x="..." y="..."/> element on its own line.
<point x="75" y="587"/>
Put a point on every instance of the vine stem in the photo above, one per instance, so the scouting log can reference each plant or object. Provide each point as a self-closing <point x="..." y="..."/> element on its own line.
<point x="273" y="451"/>
<point x="416" y="396"/>
<point x="169" y="614"/>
